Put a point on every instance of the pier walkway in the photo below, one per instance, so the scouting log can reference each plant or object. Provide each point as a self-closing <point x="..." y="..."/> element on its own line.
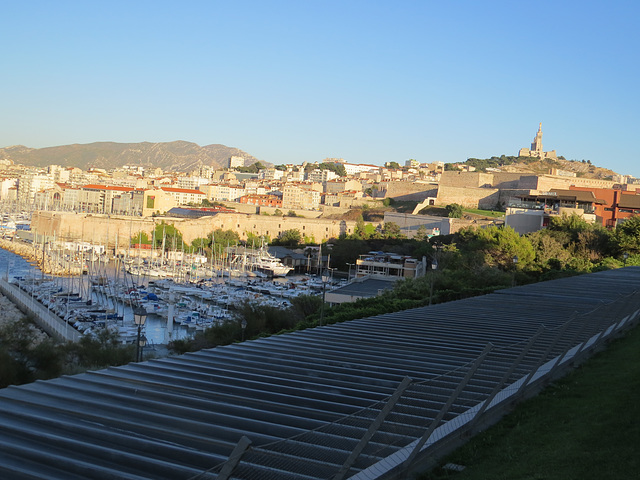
<point x="47" y="320"/>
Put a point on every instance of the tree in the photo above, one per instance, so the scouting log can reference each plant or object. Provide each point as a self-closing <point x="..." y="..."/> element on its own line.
<point x="201" y="243"/>
<point x="167" y="235"/>
<point x="495" y="247"/>
<point x="253" y="168"/>
<point x="290" y="238"/>
<point x="221" y="239"/>
<point x="392" y="230"/>
<point x="102" y="349"/>
<point x="550" y="252"/>
<point x="337" y="168"/>
<point x="140" y="238"/>
<point x="394" y="165"/>
<point x="421" y="234"/>
<point x="254" y="240"/>
<point x="304" y="305"/>
<point x="627" y="235"/>
<point x="454" y="210"/>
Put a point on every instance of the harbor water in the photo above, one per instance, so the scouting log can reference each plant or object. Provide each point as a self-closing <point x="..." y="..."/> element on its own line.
<point x="16" y="269"/>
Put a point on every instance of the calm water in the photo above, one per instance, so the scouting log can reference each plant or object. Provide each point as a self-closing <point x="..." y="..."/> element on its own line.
<point x="13" y="265"/>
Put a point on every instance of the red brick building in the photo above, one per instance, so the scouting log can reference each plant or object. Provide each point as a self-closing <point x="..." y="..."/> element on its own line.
<point x="615" y="205"/>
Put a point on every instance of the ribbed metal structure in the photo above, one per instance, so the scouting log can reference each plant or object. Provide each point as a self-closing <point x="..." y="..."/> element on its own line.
<point x="303" y="399"/>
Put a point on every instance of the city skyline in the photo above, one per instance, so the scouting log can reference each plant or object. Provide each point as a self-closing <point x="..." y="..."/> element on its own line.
<point x="289" y="82"/>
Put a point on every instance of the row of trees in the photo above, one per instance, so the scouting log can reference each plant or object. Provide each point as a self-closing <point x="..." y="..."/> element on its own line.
<point x="24" y="360"/>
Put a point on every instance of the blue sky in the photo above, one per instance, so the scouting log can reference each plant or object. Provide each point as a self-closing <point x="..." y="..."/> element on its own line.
<point x="368" y="81"/>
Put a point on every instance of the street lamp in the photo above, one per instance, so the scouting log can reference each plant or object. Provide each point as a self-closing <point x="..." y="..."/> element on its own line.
<point x="625" y="255"/>
<point x="243" y="324"/>
<point x="139" y="317"/>
<point x="325" y="279"/>
<point x="349" y="276"/>
<point x="142" y="342"/>
<point x="434" y="267"/>
<point x="515" y="264"/>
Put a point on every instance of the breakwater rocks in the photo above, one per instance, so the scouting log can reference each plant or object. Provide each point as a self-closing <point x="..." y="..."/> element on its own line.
<point x="45" y="262"/>
<point x="9" y="313"/>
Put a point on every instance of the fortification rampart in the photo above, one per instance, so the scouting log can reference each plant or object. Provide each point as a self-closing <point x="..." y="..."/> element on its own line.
<point x="547" y="182"/>
<point x="469" y="197"/>
<point x="117" y="230"/>
<point x="408" y="191"/>
<point x="466" y="179"/>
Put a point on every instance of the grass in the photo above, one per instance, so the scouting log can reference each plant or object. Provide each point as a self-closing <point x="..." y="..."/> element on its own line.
<point x="486" y="213"/>
<point x="585" y="426"/>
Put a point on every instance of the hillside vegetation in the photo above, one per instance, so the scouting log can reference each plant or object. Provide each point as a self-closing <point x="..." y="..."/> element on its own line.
<point x="534" y="165"/>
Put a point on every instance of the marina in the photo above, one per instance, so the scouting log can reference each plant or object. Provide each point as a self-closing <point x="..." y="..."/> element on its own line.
<point x="94" y="291"/>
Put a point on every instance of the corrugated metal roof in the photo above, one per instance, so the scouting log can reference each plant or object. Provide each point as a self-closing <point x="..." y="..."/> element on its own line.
<point x="365" y="287"/>
<point x="303" y="399"/>
<point x="629" y="201"/>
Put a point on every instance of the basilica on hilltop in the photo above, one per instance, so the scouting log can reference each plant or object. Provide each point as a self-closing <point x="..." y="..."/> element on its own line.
<point x="536" y="148"/>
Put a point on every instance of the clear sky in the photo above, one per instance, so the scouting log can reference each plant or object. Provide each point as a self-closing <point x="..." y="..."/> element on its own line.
<point x="293" y="81"/>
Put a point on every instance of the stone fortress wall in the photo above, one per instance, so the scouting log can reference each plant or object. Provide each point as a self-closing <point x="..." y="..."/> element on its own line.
<point x="117" y="230"/>
<point x="485" y="198"/>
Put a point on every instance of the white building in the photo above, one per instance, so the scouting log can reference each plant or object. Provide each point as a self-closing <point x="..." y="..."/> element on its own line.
<point x="235" y="162"/>
<point x="191" y="182"/>
<point x="185" y="196"/>
<point x="352" y="168"/>
<point x="321" y="176"/>
<point x="30" y="183"/>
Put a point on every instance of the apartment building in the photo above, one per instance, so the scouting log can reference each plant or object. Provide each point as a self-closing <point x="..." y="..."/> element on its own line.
<point x="185" y="196"/>
<point x="303" y="195"/>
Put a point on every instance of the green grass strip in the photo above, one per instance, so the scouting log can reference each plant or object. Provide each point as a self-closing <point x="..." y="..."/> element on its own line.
<point x="585" y="426"/>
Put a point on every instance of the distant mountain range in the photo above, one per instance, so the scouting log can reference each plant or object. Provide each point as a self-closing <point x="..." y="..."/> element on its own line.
<point x="178" y="156"/>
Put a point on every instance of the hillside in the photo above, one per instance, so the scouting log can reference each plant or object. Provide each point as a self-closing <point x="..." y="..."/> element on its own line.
<point x="177" y="156"/>
<point x="540" y="167"/>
